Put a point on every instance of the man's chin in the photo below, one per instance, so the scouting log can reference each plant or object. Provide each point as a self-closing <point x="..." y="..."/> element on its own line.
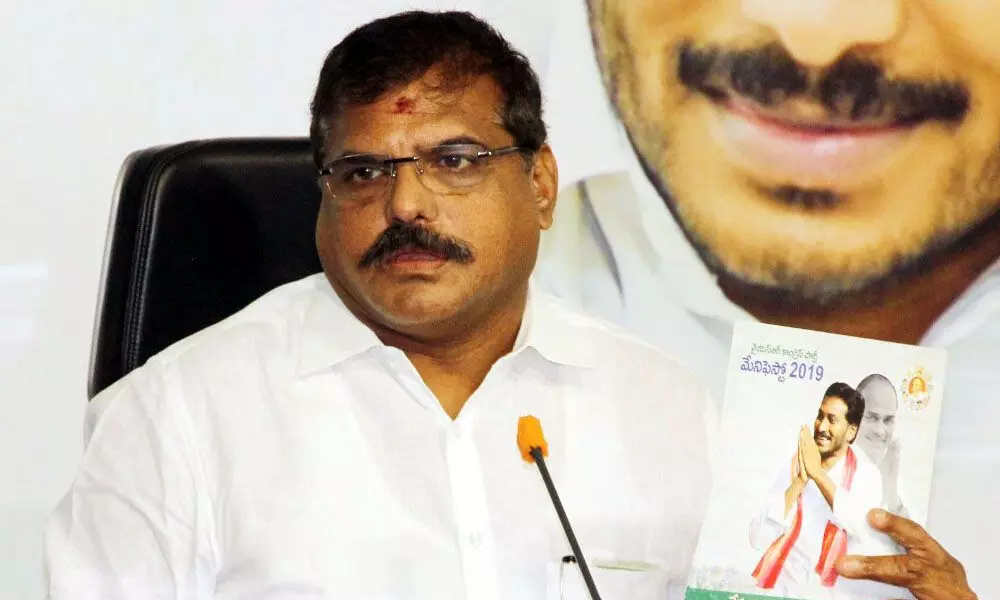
<point x="785" y="287"/>
<point x="772" y="265"/>
<point x="418" y="304"/>
<point x="827" y="455"/>
<point x="410" y="315"/>
<point x="778" y="276"/>
<point x="748" y="269"/>
<point x="876" y="450"/>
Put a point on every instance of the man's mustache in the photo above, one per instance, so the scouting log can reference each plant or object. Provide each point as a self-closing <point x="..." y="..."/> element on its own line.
<point x="852" y="89"/>
<point x="407" y="236"/>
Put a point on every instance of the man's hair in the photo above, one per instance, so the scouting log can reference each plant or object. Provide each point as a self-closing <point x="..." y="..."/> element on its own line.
<point x="395" y="51"/>
<point x="855" y="402"/>
<point x="875" y="379"/>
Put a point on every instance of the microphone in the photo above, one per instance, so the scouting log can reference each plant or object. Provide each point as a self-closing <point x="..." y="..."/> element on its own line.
<point x="531" y="442"/>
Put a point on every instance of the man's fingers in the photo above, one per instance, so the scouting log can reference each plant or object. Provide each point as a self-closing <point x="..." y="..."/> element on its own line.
<point x="905" y="532"/>
<point x="926" y="566"/>
<point x="893" y="570"/>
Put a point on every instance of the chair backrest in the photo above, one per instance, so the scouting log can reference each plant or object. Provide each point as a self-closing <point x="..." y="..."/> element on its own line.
<point x="199" y="230"/>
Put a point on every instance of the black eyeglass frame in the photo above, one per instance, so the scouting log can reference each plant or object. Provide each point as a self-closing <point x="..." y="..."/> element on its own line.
<point x="392" y="162"/>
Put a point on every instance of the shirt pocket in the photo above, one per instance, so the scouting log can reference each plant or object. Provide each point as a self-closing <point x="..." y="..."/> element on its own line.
<point x="565" y="582"/>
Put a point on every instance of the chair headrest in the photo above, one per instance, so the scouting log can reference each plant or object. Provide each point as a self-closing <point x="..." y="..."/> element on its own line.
<point x="198" y="231"/>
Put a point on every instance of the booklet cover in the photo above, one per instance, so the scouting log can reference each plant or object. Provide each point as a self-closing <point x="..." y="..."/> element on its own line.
<point x="816" y="430"/>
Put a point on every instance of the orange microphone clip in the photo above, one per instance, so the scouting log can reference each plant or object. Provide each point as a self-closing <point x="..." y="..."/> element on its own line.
<point x="529" y="435"/>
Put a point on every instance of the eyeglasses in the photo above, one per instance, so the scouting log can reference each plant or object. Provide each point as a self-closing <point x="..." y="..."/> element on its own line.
<point x="446" y="169"/>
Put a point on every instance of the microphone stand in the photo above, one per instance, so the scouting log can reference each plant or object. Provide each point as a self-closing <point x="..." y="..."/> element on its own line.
<point x="536" y="453"/>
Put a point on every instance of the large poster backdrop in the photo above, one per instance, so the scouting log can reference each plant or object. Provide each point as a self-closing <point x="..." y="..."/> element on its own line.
<point x="808" y="166"/>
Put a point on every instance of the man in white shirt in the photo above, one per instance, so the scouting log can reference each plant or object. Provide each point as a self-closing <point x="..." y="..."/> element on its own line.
<point x="824" y="165"/>
<point x="352" y="434"/>
<point x="877" y="437"/>
<point x="816" y="510"/>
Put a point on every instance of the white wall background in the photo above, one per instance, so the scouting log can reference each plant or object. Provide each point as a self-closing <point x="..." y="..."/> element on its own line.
<point x="84" y="83"/>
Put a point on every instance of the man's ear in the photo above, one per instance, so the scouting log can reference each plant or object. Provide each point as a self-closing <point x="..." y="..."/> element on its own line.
<point x="852" y="433"/>
<point x="545" y="184"/>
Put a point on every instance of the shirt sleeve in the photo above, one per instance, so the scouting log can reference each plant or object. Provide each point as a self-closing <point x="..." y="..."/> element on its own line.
<point x="850" y="508"/>
<point x="771" y="520"/>
<point x="136" y="522"/>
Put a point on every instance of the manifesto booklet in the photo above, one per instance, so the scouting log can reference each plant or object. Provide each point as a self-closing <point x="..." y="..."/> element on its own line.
<point x="816" y="430"/>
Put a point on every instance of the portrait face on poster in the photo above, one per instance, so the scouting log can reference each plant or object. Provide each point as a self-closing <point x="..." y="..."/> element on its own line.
<point x="700" y="87"/>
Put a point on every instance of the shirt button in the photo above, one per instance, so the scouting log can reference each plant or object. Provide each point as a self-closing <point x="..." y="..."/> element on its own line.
<point x="476" y="539"/>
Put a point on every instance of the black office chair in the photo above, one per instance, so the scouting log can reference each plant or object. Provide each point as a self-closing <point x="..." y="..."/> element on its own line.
<point x="199" y="230"/>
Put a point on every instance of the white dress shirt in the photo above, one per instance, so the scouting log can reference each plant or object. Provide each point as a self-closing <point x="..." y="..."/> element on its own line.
<point x="287" y="453"/>
<point x="798" y="578"/>
<point x="616" y="252"/>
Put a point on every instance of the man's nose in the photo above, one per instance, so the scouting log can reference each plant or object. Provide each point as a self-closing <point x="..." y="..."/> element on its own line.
<point x="408" y="199"/>
<point x="817" y="32"/>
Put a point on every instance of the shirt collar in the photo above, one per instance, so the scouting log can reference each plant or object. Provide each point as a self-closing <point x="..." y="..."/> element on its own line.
<point x="965" y="317"/>
<point x="330" y="334"/>
<point x="551" y="330"/>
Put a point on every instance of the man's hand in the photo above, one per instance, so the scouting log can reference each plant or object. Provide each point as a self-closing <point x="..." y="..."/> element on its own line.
<point x="798" y="484"/>
<point x="799" y="474"/>
<point x="889" y="468"/>
<point x="927" y="570"/>
<point x="890" y="462"/>
<point x="809" y="453"/>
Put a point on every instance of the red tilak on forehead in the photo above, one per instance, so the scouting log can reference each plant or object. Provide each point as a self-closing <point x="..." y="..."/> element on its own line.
<point x="404" y="105"/>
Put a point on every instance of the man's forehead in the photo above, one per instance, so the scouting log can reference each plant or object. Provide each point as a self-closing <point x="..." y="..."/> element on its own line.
<point x="834" y="405"/>
<point x="434" y="94"/>
<point x="418" y="110"/>
<point x="884" y="403"/>
<point x="418" y="102"/>
<point x="879" y="395"/>
<point x="878" y="414"/>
